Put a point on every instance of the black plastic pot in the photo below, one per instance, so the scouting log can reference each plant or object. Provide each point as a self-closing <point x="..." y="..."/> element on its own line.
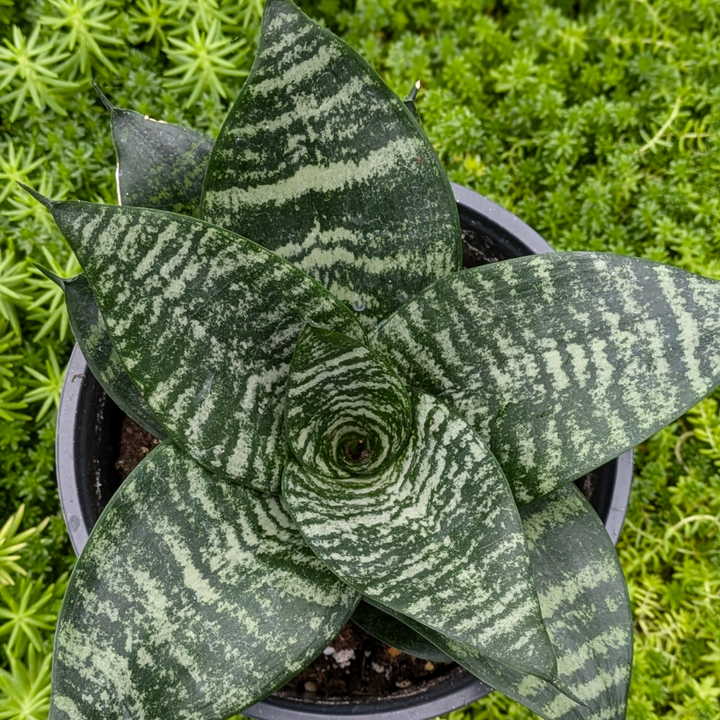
<point x="88" y="443"/>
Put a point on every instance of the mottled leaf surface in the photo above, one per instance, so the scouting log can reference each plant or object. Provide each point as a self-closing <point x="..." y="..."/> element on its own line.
<point x="561" y="361"/>
<point x="347" y="412"/>
<point x="586" y="609"/>
<point x="584" y="601"/>
<point x="436" y="536"/>
<point x="91" y="334"/>
<point x="397" y="634"/>
<point x="546" y="694"/>
<point x="192" y="599"/>
<point x="321" y="162"/>
<point x="205" y="323"/>
<point x="159" y="165"/>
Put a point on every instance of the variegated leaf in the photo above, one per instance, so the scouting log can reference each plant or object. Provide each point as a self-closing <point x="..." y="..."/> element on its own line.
<point x="347" y="412"/>
<point x="561" y="361"/>
<point x="159" y="165"/>
<point x="206" y="323"/>
<point x="436" y="536"/>
<point x="192" y="599"/>
<point x="397" y="634"/>
<point x="321" y="162"/>
<point x="546" y="694"/>
<point x="586" y="608"/>
<point x="91" y="334"/>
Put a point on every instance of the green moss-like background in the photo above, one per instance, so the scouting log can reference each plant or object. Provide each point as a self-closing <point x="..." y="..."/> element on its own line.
<point x="594" y="121"/>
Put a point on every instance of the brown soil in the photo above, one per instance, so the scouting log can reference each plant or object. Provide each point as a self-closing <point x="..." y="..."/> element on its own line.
<point x="355" y="663"/>
<point x="135" y="444"/>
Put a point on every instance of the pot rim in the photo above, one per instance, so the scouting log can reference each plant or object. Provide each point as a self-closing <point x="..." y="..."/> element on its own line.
<point x="511" y="233"/>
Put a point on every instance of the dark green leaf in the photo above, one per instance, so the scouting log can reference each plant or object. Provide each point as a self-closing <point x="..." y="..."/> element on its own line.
<point x="347" y="412"/>
<point x="498" y="676"/>
<point x="91" y="334"/>
<point x="436" y="536"/>
<point x="160" y="165"/>
<point x="410" y="98"/>
<point x="321" y="162"/>
<point x="561" y="361"/>
<point x="206" y="323"/>
<point x="397" y="634"/>
<point x="193" y="598"/>
<point x="586" y="608"/>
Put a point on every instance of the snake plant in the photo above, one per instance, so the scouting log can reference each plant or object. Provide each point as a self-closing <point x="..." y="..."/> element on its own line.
<point x="347" y="414"/>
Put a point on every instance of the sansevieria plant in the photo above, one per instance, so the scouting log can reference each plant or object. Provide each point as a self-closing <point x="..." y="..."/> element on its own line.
<point x="346" y="413"/>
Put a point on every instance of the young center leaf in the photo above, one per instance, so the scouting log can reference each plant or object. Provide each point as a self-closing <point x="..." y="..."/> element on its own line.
<point x="322" y="163"/>
<point x="436" y="536"/>
<point x="561" y="361"/>
<point x="193" y="598"/>
<point x="347" y="411"/>
<point x="91" y="334"/>
<point x="205" y="323"/>
<point x="159" y="165"/>
<point x="586" y="608"/>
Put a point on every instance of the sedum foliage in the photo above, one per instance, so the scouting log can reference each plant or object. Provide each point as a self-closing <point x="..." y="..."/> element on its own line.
<point x="596" y="122"/>
<point x="29" y="603"/>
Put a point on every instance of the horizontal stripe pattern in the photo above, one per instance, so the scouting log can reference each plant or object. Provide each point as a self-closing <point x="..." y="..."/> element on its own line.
<point x="322" y="163"/>
<point x="561" y="361"/>
<point x="205" y="323"/>
<point x="436" y="536"/>
<point x="347" y="412"/>
<point x="586" y="609"/>
<point x="193" y="599"/>
<point x="584" y="600"/>
<point x="91" y="334"/>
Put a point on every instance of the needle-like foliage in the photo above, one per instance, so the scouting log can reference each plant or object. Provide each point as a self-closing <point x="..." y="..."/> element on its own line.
<point x="15" y="167"/>
<point x="25" y="687"/>
<point x="12" y="542"/>
<point x="13" y="276"/>
<point x="45" y="388"/>
<point x="205" y="60"/>
<point x="48" y="308"/>
<point x="84" y="27"/>
<point x="26" y="610"/>
<point x="27" y="70"/>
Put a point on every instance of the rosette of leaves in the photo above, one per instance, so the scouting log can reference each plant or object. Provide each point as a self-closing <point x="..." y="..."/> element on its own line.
<point x="349" y="415"/>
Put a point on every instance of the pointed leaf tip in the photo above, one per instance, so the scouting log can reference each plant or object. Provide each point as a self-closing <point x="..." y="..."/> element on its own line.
<point x="60" y="282"/>
<point x="391" y="210"/>
<point x="103" y="98"/>
<point x="412" y="95"/>
<point x="49" y="204"/>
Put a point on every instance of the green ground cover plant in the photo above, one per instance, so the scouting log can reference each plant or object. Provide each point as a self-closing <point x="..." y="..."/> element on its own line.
<point x="596" y="122"/>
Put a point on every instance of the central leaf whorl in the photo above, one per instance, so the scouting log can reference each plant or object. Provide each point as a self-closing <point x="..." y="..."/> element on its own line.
<point x="347" y="412"/>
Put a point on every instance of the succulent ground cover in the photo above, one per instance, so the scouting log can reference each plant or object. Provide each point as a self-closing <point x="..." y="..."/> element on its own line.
<point x="595" y="122"/>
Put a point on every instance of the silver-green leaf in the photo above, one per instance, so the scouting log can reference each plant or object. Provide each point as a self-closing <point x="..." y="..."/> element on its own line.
<point x="91" y="334"/>
<point x="347" y="412"/>
<point x="321" y="162"/>
<point x="586" y="609"/>
<point x="436" y="537"/>
<point x="159" y="165"/>
<point x="192" y="599"/>
<point x="561" y="361"/>
<point x="205" y="323"/>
